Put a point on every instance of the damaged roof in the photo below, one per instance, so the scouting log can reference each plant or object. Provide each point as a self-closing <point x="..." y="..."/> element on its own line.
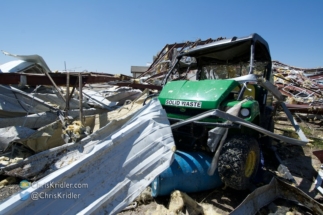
<point x="15" y="66"/>
<point x="234" y="49"/>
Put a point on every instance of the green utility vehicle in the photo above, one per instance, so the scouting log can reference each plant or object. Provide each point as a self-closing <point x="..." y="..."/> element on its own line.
<point x="198" y="92"/>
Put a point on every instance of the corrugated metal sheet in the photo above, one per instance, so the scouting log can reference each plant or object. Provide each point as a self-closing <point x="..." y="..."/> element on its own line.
<point x="116" y="170"/>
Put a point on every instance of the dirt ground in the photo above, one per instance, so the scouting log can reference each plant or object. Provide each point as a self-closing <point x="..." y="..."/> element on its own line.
<point x="300" y="161"/>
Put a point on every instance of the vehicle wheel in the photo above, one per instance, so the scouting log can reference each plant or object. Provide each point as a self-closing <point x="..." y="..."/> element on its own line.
<point x="238" y="161"/>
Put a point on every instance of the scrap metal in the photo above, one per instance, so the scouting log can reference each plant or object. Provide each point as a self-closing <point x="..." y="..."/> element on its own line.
<point x="143" y="139"/>
<point x="59" y="78"/>
<point x="131" y="157"/>
<point x="300" y="86"/>
<point x="166" y="59"/>
<point x="274" y="190"/>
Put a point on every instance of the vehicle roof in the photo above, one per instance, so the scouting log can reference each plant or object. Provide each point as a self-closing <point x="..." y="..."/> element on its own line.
<point x="234" y="49"/>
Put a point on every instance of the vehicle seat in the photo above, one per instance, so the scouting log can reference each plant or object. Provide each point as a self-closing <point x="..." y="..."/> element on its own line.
<point x="251" y="93"/>
<point x="247" y="93"/>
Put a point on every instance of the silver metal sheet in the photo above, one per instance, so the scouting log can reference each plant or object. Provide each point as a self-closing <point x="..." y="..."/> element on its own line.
<point x="116" y="170"/>
<point x="13" y="133"/>
<point x="264" y="195"/>
<point x="31" y="58"/>
<point x="15" y="66"/>
<point x="44" y="118"/>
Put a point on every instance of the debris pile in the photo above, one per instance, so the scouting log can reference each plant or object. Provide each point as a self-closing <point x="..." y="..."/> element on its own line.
<point x="114" y="135"/>
<point x="41" y="110"/>
<point x="302" y="88"/>
<point x="54" y="126"/>
<point x="166" y="58"/>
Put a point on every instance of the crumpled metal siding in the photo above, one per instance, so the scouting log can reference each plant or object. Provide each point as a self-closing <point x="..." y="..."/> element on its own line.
<point x="117" y="170"/>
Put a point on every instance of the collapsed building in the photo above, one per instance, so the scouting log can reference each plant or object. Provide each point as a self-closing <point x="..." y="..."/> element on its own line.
<point x="74" y="127"/>
<point x="301" y="87"/>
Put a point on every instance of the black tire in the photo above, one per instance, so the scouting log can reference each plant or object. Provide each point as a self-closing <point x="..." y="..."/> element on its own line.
<point x="239" y="161"/>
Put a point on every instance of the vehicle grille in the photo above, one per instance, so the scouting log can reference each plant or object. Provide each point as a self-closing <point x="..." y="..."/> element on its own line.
<point x="187" y="112"/>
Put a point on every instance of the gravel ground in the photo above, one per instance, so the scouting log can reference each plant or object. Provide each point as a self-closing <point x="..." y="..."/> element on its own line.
<point x="301" y="162"/>
<point x="8" y="191"/>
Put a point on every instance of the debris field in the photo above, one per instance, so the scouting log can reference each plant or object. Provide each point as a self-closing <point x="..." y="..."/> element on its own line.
<point x="136" y="153"/>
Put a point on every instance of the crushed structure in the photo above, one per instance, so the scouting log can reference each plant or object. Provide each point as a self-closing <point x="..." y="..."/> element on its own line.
<point x="119" y="135"/>
<point x="301" y="87"/>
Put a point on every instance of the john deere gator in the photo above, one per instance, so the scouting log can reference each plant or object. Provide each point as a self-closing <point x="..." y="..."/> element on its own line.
<point x="218" y="98"/>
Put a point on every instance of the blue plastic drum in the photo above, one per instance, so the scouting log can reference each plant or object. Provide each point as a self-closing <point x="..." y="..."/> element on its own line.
<point x="188" y="173"/>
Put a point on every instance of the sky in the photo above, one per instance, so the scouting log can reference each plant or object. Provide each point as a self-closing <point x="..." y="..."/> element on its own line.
<point x="111" y="36"/>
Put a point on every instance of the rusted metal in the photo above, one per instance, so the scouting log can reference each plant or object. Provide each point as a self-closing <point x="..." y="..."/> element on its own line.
<point x="74" y="86"/>
<point x="54" y="84"/>
<point x="67" y="107"/>
<point x="139" y="86"/>
<point x="277" y="188"/>
<point x="153" y="63"/>
<point x="167" y="53"/>
<point x="125" y="77"/>
<point x="280" y="64"/>
<point x="300" y="86"/>
<point x="159" y="59"/>
<point x="157" y="75"/>
<point x="58" y="78"/>
<point x="319" y="155"/>
<point x="80" y="97"/>
<point x="304" y="108"/>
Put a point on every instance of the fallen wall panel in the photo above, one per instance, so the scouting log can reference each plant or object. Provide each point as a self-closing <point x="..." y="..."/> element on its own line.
<point x="118" y="168"/>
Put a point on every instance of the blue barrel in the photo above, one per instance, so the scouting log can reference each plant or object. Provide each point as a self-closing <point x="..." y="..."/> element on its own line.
<point x="187" y="173"/>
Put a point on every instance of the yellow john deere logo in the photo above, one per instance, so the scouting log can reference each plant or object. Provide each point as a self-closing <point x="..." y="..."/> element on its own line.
<point x="24" y="184"/>
<point x="182" y="109"/>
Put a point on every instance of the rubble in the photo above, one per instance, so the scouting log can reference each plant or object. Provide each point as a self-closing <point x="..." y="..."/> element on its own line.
<point x="276" y="189"/>
<point x="73" y="127"/>
<point x="302" y="90"/>
<point x="12" y="134"/>
<point x="38" y="120"/>
<point x="124" y="155"/>
<point x="48" y="159"/>
<point x="301" y="87"/>
<point x="42" y="115"/>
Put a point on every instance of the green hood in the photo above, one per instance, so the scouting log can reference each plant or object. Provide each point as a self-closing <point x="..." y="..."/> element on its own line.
<point x="205" y="94"/>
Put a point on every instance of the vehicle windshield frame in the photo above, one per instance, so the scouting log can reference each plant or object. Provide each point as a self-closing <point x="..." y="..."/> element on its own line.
<point x="252" y="50"/>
